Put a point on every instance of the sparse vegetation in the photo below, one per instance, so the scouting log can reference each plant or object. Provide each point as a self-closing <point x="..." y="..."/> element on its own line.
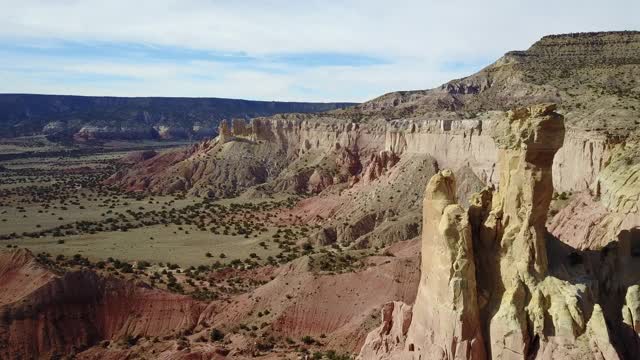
<point x="216" y="335"/>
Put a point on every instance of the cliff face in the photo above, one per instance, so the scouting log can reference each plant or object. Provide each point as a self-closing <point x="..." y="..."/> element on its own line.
<point x="90" y="118"/>
<point x="495" y="285"/>
<point x="593" y="78"/>
<point x="36" y="303"/>
<point x="454" y="143"/>
<point x="446" y="318"/>
<point x="281" y="150"/>
<point x="582" y="157"/>
<point x="276" y="142"/>
<point x="596" y="217"/>
<point x="45" y="313"/>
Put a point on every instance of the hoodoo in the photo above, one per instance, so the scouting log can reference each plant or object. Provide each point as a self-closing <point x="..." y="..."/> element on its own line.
<point x="490" y="287"/>
<point x="446" y="318"/>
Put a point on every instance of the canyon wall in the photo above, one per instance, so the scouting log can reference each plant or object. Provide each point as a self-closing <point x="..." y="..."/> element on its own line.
<point x="453" y="143"/>
<point x="596" y="217"/>
<point x="582" y="157"/>
<point x="456" y="143"/>
<point x="43" y="313"/>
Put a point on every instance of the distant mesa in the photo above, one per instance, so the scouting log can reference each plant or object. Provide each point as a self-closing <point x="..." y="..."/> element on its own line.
<point x="89" y="118"/>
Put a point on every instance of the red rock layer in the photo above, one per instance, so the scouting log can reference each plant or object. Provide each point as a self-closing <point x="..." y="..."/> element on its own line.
<point x="43" y="313"/>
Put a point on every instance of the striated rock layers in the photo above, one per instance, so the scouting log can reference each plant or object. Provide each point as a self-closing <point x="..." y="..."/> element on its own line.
<point x="295" y="147"/>
<point x="294" y="153"/>
<point x="36" y="304"/>
<point x="596" y="217"/>
<point x="45" y="313"/>
<point x="496" y="285"/>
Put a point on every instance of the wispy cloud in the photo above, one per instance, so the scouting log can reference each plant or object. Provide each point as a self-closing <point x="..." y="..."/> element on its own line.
<point x="276" y="50"/>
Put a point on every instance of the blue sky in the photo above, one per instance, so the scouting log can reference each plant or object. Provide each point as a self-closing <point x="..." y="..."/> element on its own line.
<point x="270" y="49"/>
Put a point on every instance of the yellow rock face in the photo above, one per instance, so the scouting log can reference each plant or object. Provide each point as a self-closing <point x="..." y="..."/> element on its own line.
<point x="495" y="285"/>
<point x="619" y="183"/>
<point x="445" y="315"/>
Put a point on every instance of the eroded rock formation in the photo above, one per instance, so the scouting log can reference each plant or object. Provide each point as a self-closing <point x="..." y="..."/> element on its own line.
<point x="388" y="338"/>
<point x="596" y="217"/>
<point x="446" y="320"/>
<point x="495" y="284"/>
<point x="36" y="304"/>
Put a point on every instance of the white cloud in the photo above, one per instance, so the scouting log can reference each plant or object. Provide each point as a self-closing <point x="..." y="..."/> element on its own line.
<point x="206" y="78"/>
<point x="416" y="37"/>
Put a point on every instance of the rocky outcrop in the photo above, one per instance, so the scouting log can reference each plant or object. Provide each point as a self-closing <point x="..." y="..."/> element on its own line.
<point x="453" y="142"/>
<point x="494" y="284"/>
<point x="37" y="303"/>
<point x="515" y="228"/>
<point x="596" y="217"/>
<point x="446" y="319"/>
<point x="390" y="336"/>
<point x="378" y="165"/>
<point x="224" y="132"/>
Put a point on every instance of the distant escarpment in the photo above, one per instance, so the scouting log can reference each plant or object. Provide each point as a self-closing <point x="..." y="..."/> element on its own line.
<point x="85" y="118"/>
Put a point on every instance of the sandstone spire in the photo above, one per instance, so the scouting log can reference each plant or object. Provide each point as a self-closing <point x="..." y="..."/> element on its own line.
<point x="527" y="141"/>
<point x="487" y="289"/>
<point x="513" y="237"/>
<point x="224" y="133"/>
<point x="446" y="322"/>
